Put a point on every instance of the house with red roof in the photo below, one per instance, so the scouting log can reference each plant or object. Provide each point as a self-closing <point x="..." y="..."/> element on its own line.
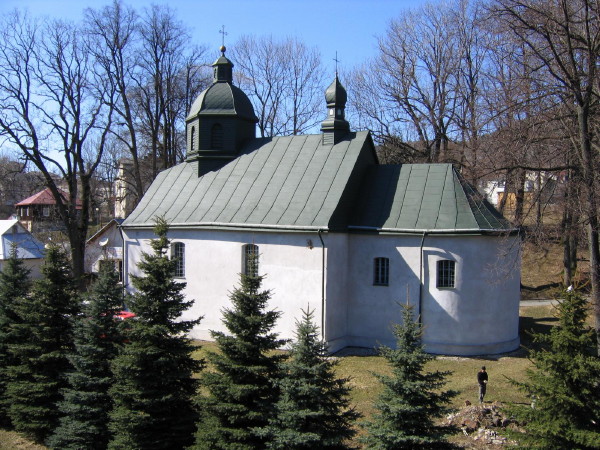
<point x="40" y="211"/>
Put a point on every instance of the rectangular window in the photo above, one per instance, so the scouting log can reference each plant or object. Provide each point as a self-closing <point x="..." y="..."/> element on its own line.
<point x="445" y="273"/>
<point x="382" y="272"/>
<point x="46" y="211"/>
<point x="178" y="253"/>
<point x="250" y="261"/>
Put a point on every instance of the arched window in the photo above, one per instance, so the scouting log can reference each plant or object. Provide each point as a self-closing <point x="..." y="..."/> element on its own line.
<point x="178" y="254"/>
<point x="216" y="136"/>
<point x="381" y="276"/>
<point x="193" y="139"/>
<point x="445" y="273"/>
<point x="250" y="260"/>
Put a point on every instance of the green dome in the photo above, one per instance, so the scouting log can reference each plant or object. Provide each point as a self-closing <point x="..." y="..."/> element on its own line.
<point x="336" y="94"/>
<point x="223" y="99"/>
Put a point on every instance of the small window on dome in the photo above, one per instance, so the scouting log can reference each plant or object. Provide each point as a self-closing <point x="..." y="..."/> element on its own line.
<point x="192" y="138"/>
<point x="331" y="112"/>
<point x="216" y="136"/>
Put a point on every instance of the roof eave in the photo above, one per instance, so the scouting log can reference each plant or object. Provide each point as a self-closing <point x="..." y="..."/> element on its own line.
<point x="231" y="226"/>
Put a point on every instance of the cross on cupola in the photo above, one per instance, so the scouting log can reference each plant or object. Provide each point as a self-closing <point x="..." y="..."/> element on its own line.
<point x="223" y="68"/>
<point x="335" y="126"/>
<point x="223" y="34"/>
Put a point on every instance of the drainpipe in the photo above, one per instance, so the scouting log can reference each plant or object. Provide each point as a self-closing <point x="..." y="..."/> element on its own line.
<point x="421" y="277"/>
<point x="125" y="266"/>
<point x="322" y="285"/>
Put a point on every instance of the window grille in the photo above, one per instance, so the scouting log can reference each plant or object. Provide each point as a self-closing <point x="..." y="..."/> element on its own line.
<point x="445" y="273"/>
<point x="382" y="271"/>
<point x="250" y="262"/>
<point x="178" y="253"/>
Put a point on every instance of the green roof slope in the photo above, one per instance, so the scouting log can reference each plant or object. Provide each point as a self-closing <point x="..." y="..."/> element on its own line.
<point x="423" y="198"/>
<point x="281" y="182"/>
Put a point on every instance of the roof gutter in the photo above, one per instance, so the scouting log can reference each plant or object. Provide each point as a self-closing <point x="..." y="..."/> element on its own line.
<point x="231" y="225"/>
<point x="434" y="230"/>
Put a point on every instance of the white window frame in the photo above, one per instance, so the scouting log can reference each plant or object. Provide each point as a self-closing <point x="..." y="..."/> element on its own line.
<point x="446" y="274"/>
<point x="381" y="271"/>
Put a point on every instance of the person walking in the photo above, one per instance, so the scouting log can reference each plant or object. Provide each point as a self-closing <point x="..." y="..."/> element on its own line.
<point x="482" y="379"/>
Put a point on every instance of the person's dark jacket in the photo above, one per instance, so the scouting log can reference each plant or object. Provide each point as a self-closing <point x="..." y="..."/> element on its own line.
<point x="481" y="377"/>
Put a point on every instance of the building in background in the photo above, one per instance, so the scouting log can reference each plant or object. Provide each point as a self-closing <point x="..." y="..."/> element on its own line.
<point x="39" y="212"/>
<point x="105" y="247"/>
<point x="29" y="249"/>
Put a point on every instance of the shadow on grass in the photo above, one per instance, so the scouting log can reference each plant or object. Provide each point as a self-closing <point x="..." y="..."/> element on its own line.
<point x="528" y="326"/>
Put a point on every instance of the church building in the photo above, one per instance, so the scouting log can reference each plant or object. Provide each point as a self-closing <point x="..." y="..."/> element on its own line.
<point x="335" y="231"/>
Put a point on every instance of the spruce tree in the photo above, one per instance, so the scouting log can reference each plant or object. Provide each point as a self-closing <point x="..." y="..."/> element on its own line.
<point x="242" y="389"/>
<point x="564" y="383"/>
<point x="40" y="343"/>
<point x="313" y="408"/>
<point x="412" y="398"/>
<point x="86" y="403"/>
<point x="153" y="390"/>
<point x="14" y="284"/>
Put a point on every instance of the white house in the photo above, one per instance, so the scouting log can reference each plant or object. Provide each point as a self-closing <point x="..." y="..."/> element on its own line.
<point x="335" y="231"/>
<point x="29" y="249"/>
<point x="105" y="247"/>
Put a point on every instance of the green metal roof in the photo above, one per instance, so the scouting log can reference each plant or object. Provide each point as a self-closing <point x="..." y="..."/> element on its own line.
<point x="222" y="99"/>
<point x="423" y="198"/>
<point x="283" y="182"/>
<point x="295" y="182"/>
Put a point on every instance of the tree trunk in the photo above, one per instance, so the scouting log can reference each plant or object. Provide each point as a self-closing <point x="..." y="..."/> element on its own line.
<point x="591" y="206"/>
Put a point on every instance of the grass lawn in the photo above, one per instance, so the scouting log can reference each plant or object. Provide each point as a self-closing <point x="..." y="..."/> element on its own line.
<point x="365" y="387"/>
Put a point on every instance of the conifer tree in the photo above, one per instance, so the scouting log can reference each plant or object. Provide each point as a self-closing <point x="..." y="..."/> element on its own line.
<point x="412" y="398"/>
<point x="564" y="383"/>
<point x="242" y="390"/>
<point x="86" y="403"/>
<point x="153" y="390"/>
<point x="42" y="339"/>
<point x="14" y="284"/>
<point x="313" y="408"/>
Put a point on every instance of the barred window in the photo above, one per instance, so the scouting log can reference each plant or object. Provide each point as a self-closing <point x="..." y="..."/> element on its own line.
<point x="216" y="136"/>
<point x="381" y="271"/>
<point x="193" y="139"/>
<point x="445" y="273"/>
<point x="178" y="253"/>
<point x="250" y="260"/>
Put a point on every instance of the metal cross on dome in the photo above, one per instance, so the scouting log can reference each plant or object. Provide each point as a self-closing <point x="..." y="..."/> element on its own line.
<point x="223" y="33"/>
<point x="336" y="63"/>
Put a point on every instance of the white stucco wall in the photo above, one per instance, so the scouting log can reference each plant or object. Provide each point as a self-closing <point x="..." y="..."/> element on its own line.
<point x="374" y="309"/>
<point x="479" y="315"/>
<point x="213" y="262"/>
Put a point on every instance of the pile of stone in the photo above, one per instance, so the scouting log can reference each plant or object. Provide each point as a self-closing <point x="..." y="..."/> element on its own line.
<point x="483" y="423"/>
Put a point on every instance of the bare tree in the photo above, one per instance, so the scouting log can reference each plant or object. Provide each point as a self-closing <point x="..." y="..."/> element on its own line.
<point x="112" y="32"/>
<point x="51" y="107"/>
<point x="162" y="82"/>
<point x="284" y="80"/>
<point x="564" y="38"/>
<point x="415" y="76"/>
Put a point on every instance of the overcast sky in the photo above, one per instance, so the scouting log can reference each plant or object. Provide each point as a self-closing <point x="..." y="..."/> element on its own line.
<point x="350" y="27"/>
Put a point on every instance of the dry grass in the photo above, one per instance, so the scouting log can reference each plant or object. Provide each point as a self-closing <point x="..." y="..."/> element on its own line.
<point x="542" y="270"/>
